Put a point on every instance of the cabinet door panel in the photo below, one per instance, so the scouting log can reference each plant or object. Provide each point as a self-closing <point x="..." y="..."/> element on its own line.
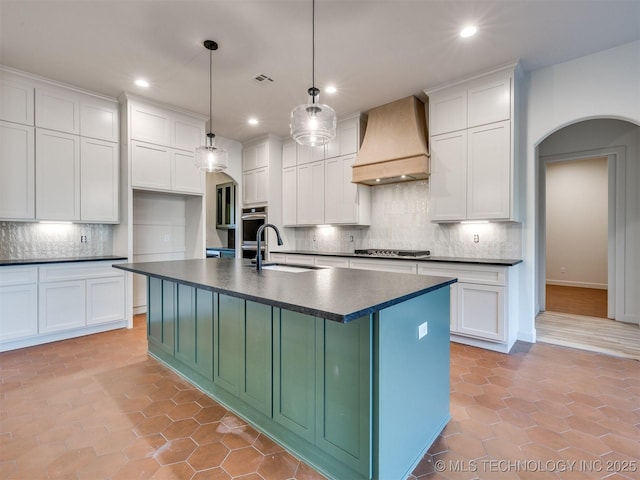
<point x="348" y="137"/>
<point x="262" y="185"/>
<point x="150" y="166"/>
<point x="249" y="187"/>
<point x="250" y="158"/>
<point x="489" y="172"/>
<point x="169" y="312"/>
<point x="256" y="387"/>
<point x="311" y="194"/>
<point x="204" y="332"/>
<point x="294" y="372"/>
<point x="16" y="101"/>
<point x="481" y="311"/>
<point x="99" y="174"/>
<point x="150" y="124"/>
<point x="289" y="192"/>
<point x="186" y="177"/>
<point x="17" y="171"/>
<point x="228" y="336"/>
<point x="57" y="176"/>
<point x="154" y="310"/>
<point x="18" y="311"/>
<point x="105" y="300"/>
<point x="188" y="133"/>
<point x="61" y="306"/>
<point x="333" y="198"/>
<point x="447" y="113"/>
<point x="289" y="154"/>
<point x="343" y="375"/>
<point x="490" y="102"/>
<point x="448" y="180"/>
<point x="58" y="109"/>
<point x="99" y="119"/>
<point x="186" y="325"/>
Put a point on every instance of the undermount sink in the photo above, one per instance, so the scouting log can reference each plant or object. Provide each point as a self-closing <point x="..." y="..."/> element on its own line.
<point x="283" y="267"/>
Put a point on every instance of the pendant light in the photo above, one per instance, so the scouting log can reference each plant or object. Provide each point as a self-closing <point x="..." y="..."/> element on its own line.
<point x="210" y="158"/>
<point x="313" y="123"/>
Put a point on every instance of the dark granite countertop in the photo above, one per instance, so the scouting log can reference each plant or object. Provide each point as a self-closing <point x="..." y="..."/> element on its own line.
<point x="334" y="293"/>
<point x="39" y="261"/>
<point x="506" y="262"/>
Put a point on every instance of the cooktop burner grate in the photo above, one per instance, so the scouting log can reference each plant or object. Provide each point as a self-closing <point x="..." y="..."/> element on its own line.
<point x="380" y="252"/>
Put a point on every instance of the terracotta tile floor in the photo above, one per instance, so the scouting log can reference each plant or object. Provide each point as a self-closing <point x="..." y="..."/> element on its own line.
<point x="98" y="408"/>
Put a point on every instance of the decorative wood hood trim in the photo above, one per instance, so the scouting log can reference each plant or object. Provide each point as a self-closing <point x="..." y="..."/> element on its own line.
<point x="395" y="144"/>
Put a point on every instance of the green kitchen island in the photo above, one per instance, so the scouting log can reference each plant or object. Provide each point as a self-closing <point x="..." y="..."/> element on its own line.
<point x="348" y="369"/>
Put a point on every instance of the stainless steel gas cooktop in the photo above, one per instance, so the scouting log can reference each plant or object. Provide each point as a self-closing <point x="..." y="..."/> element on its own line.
<point x="379" y="252"/>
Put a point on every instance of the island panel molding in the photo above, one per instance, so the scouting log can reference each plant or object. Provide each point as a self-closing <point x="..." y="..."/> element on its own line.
<point x="327" y="390"/>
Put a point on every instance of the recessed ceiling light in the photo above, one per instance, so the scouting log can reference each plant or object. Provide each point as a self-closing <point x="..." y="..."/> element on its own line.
<point x="141" y="82"/>
<point x="331" y="89"/>
<point x="468" y="31"/>
<point x="253" y="121"/>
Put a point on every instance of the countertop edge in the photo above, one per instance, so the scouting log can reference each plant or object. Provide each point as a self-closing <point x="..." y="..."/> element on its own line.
<point x="504" y="262"/>
<point x="43" y="261"/>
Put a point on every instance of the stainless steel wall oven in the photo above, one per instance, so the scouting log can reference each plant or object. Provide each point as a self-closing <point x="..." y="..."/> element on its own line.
<point x="252" y="219"/>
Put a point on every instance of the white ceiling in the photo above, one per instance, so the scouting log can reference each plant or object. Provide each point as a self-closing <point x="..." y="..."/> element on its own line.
<point x="374" y="51"/>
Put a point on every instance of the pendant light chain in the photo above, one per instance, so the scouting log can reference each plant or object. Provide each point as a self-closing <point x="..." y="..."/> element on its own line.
<point x="210" y="91"/>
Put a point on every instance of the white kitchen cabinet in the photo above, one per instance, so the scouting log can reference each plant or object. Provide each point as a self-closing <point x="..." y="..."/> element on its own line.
<point x="57" y="108"/>
<point x="255" y="156"/>
<point x="105" y="300"/>
<point x="150" y="166"/>
<point x="481" y="314"/>
<point x="327" y="261"/>
<point x="489" y="172"/>
<point x="57" y="176"/>
<point x="349" y="133"/>
<point x="185" y="177"/>
<point x="99" y="119"/>
<point x="289" y="200"/>
<point x="289" y="154"/>
<point x="345" y="202"/>
<point x="18" y="302"/>
<point x="150" y="124"/>
<point x="256" y="186"/>
<point x="16" y="99"/>
<point x="99" y="180"/>
<point x="17" y="172"/>
<point x="187" y="132"/>
<point x="383" y="265"/>
<point x="311" y="190"/>
<point x="61" y="306"/>
<point x="473" y="148"/>
<point x="448" y="180"/>
<point x="481" y="311"/>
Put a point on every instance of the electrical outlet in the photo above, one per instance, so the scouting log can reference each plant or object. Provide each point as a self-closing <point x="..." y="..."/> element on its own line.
<point x="351" y="238"/>
<point x="423" y="329"/>
<point x="476" y="238"/>
<point x="83" y="239"/>
<point x="563" y="269"/>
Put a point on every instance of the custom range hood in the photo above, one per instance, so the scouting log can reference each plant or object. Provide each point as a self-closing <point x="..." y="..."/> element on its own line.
<point x="394" y="148"/>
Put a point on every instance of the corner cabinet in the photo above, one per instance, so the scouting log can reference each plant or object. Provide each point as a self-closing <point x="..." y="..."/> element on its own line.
<point x="475" y="148"/>
<point x="316" y="182"/>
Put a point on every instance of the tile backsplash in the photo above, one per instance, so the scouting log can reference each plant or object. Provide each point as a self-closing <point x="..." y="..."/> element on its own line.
<point x="400" y="220"/>
<point x="20" y="240"/>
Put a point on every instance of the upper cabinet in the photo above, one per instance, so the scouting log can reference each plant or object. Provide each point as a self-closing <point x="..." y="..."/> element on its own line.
<point x="316" y="181"/>
<point x="261" y="165"/>
<point x="162" y="148"/>
<point x="59" y="156"/>
<point x="474" y="127"/>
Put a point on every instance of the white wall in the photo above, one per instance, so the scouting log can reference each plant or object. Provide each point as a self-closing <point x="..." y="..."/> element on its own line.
<point x="576" y="228"/>
<point x="601" y="85"/>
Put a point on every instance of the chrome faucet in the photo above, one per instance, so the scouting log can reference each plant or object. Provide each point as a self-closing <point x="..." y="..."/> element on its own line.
<point x="258" y="235"/>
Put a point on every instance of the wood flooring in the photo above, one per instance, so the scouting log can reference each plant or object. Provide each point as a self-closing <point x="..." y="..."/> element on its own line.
<point x="591" y="302"/>
<point x="589" y="333"/>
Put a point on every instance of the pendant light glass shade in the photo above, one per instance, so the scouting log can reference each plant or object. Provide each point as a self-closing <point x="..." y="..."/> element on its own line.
<point x="313" y="123"/>
<point x="210" y="158"/>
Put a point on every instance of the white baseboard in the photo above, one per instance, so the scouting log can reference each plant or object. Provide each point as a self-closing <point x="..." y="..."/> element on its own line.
<point x="567" y="283"/>
<point x="140" y="309"/>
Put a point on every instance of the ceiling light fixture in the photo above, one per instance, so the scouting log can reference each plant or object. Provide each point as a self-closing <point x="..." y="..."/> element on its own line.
<point x="313" y="123"/>
<point x="331" y="89"/>
<point x="141" y="82"/>
<point x="210" y="158"/>
<point x="253" y="121"/>
<point x="468" y="31"/>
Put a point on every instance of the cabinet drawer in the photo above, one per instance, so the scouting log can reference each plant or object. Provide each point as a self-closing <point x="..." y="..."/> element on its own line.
<point x="394" y="266"/>
<point x="300" y="259"/>
<point x="82" y="271"/>
<point x="323" y="261"/>
<point x="480" y="274"/>
<point x="18" y="275"/>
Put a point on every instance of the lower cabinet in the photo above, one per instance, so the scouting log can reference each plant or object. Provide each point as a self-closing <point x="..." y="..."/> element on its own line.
<point x="40" y="304"/>
<point x="304" y="379"/>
